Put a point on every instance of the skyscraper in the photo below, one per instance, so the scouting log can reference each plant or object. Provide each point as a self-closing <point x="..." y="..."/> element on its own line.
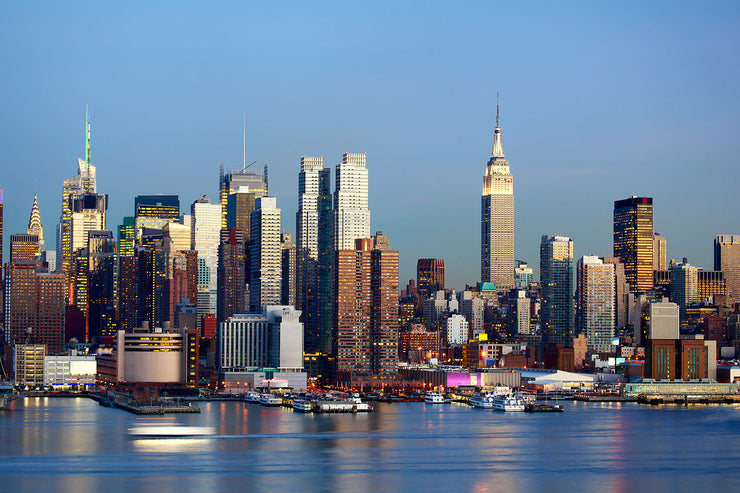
<point x="2" y="191"/>
<point x="430" y="276"/>
<point x="74" y="188"/>
<point x="351" y="212"/>
<point x="154" y="211"/>
<point x="265" y="286"/>
<point x="497" y="218"/>
<point x="660" y="261"/>
<point x="252" y="181"/>
<point x="727" y="259"/>
<point x="684" y="285"/>
<point x="366" y="309"/>
<point x="205" y="234"/>
<point x="101" y="262"/>
<point x="315" y="253"/>
<point x="595" y="303"/>
<point x="556" y="278"/>
<point x="23" y="247"/>
<point x="633" y="240"/>
<point x="288" y="268"/>
<point x="231" y="282"/>
<point x="34" y="223"/>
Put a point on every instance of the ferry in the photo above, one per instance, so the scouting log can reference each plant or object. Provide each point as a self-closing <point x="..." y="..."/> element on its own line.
<point x="483" y="400"/>
<point x="252" y="396"/>
<point x="271" y="400"/>
<point x="508" y="403"/>
<point x="360" y="407"/>
<point x="434" y="398"/>
<point x="170" y="431"/>
<point x="302" y="405"/>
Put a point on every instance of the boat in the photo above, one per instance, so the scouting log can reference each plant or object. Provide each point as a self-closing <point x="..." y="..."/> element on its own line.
<point x="170" y="431"/>
<point x="7" y="394"/>
<point x="434" y="398"/>
<point x="271" y="400"/>
<point x="544" y="408"/>
<point x="360" y="407"/>
<point x="302" y="405"/>
<point x="483" y="400"/>
<point x="508" y="403"/>
<point x="252" y="396"/>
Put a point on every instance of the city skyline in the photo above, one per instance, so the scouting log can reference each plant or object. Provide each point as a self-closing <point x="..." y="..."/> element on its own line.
<point x="159" y="126"/>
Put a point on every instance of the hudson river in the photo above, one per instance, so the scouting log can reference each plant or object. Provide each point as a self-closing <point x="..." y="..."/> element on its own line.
<point x="76" y="445"/>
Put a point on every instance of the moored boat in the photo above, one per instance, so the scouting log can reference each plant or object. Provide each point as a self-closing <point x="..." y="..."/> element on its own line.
<point x="483" y="400"/>
<point x="252" y="396"/>
<point x="434" y="398"/>
<point x="271" y="400"/>
<point x="302" y="405"/>
<point x="508" y="403"/>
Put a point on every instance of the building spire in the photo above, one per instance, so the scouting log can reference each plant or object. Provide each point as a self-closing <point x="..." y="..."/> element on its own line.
<point x="87" y="138"/>
<point x="498" y="149"/>
<point x="244" y="143"/>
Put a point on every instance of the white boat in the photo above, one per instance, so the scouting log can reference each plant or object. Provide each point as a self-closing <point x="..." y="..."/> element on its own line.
<point x="170" y="431"/>
<point x="434" y="398"/>
<point x="271" y="400"/>
<point x="508" y="403"/>
<point x="483" y="400"/>
<point x="361" y="407"/>
<point x="303" y="405"/>
<point x="252" y="396"/>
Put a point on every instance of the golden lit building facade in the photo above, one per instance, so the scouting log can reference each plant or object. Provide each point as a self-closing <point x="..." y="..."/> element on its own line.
<point x="633" y="240"/>
<point x="727" y="259"/>
<point x="497" y="218"/>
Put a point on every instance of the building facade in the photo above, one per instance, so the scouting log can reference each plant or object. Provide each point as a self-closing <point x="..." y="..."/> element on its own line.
<point x="595" y="313"/>
<point x="727" y="259"/>
<point x="633" y="240"/>
<point x="556" y="278"/>
<point x="497" y="218"/>
<point x="265" y="257"/>
<point x="351" y="212"/>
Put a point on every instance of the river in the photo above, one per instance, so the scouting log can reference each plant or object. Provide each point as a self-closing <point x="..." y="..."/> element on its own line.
<point x="73" y="444"/>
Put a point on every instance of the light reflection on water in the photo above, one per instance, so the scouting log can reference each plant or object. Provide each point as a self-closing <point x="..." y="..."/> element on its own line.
<point x="76" y="445"/>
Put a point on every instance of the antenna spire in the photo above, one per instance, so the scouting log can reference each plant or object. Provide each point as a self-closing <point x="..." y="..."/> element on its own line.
<point x="87" y="137"/>
<point x="497" y="108"/>
<point x="244" y="143"/>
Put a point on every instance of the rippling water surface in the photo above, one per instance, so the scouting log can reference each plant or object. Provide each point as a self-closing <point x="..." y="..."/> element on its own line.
<point x="76" y="445"/>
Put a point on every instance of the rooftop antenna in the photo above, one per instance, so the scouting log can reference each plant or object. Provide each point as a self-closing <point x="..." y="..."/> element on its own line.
<point x="244" y="143"/>
<point x="87" y="137"/>
<point x="497" y="105"/>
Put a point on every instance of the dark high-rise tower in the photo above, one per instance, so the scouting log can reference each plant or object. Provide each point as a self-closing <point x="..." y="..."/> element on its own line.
<point x="315" y="253"/>
<point x="430" y="275"/>
<point x="101" y="263"/>
<point x="633" y="240"/>
<point x="497" y="218"/>
<point x="231" y="282"/>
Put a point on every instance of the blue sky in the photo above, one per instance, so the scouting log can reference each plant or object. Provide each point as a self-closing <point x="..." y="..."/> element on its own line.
<point x="599" y="101"/>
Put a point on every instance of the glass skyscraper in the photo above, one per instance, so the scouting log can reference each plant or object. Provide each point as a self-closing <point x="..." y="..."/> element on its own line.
<point x="556" y="278"/>
<point x="633" y="240"/>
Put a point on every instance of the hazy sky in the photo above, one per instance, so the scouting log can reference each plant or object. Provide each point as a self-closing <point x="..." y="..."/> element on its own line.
<point x="599" y="101"/>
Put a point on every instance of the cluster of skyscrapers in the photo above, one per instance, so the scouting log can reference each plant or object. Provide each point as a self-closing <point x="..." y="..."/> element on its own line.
<point x="206" y="267"/>
<point x="228" y="271"/>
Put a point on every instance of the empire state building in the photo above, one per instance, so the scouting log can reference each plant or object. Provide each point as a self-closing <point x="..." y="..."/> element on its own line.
<point x="497" y="218"/>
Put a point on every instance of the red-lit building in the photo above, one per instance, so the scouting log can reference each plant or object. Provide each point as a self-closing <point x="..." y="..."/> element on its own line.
<point x="418" y="345"/>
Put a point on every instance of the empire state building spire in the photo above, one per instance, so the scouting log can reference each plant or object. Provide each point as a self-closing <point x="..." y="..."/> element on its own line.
<point x="498" y="149"/>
